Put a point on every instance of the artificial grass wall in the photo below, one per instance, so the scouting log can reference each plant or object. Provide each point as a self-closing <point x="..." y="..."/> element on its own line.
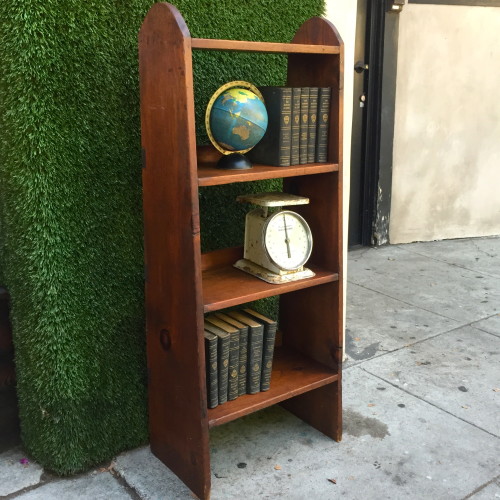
<point x="71" y="221"/>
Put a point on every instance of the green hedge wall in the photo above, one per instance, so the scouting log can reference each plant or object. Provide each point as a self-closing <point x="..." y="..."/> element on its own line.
<point x="70" y="205"/>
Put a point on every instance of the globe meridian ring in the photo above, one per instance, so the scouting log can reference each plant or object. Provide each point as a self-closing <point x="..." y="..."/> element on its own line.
<point x="211" y="102"/>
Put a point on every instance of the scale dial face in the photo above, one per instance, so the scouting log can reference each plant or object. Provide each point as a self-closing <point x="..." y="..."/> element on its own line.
<point x="287" y="240"/>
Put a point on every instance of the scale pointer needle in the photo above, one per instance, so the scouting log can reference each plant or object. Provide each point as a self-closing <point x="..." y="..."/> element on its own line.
<point x="287" y="241"/>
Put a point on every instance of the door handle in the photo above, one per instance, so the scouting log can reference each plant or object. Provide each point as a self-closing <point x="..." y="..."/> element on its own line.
<point x="360" y="66"/>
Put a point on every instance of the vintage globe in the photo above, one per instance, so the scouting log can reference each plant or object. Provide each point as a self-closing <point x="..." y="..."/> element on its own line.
<point x="236" y="118"/>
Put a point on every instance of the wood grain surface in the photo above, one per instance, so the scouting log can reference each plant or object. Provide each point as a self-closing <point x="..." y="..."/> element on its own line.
<point x="174" y="309"/>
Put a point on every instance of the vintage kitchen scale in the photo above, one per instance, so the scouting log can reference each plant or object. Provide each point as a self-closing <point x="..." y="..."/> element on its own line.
<point x="277" y="242"/>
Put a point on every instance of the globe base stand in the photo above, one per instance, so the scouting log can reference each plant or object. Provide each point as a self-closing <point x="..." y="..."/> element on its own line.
<point x="234" y="161"/>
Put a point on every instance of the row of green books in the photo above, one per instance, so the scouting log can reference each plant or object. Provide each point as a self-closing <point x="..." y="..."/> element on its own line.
<point x="297" y="130"/>
<point x="239" y="349"/>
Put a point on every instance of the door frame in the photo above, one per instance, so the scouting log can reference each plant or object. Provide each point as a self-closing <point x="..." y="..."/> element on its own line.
<point x="472" y="3"/>
<point x="382" y="26"/>
<point x="373" y="188"/>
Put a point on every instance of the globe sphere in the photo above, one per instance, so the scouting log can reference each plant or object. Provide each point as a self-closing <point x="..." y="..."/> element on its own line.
<point x="238" y="119"/>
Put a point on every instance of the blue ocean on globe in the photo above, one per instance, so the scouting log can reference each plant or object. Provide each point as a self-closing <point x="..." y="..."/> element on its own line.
<point x="238" y="119"/>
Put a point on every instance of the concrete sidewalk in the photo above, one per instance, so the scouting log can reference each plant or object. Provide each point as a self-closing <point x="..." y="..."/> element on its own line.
<point x="421" y="400"/>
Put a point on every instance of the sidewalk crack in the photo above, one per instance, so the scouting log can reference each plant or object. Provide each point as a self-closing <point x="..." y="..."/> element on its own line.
<point x="134" y="494"/>
<point x="407" y="303"/>
<point x="427" y="402"/>
<point x="460" y="266"/>
<point x="480" y="488"/>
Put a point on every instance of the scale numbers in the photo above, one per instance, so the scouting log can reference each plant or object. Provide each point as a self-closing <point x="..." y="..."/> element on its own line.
<point x="287" y="240"/>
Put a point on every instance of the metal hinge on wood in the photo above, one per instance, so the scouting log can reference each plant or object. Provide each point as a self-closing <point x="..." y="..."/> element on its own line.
<point x="394" y="5"/>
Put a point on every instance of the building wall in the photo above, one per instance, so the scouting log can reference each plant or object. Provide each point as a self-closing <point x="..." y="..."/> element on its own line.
<point x="446" y="165"/>
<point x="342" y="13"/>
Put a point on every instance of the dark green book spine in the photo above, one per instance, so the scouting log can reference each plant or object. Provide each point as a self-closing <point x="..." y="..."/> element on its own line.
<point x="222" y="360"/>
<point x="243" y="351"/>
<point x="223" y="365"/>
<point x="304" y="124"/>
<point x="255" y="341"/>
<point x="270" y="327"/>
<point x="313" y="114"/>
<point x="267" y="356"/>
<point x="285" y="131"/>
<point x="234" y="365"/>
<point x="294" y="148"/>
<point x="211" y="365"/>
<point x="242" y="375"/>
<point x="324" y="97"/>
<point x="274" y="147"/>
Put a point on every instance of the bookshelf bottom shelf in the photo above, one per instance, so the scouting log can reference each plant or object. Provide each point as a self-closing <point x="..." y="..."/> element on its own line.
<point x="293" y="374"/>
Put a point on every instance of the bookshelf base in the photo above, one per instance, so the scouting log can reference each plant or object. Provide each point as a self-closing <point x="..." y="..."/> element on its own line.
<point x="293" y="374"/>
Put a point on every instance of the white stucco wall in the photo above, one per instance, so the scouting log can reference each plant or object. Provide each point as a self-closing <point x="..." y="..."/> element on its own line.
<point x="446" y="165"/>
<point x="342" y="13"/>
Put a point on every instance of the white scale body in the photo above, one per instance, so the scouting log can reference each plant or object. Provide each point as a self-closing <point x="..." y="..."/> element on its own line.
<point x="278" y="244"/>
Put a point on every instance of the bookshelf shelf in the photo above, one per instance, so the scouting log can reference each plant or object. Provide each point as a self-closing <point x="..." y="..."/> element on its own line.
<point x="293" y="374"/>
<point x="220" y="283"/>
<point x="270" y="47"/>
<point x="208" y="175"/>
<point x="182" y="284"/>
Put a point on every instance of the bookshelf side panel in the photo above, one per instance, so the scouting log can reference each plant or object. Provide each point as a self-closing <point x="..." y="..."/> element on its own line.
<point x="312" y="319"/>
<point x="174" y="308"/>
<point x="309" y="321"/>
<point x="320" y="408"/>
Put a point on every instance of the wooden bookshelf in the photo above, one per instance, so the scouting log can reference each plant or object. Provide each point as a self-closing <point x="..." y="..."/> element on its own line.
<point x="182" y="283"/>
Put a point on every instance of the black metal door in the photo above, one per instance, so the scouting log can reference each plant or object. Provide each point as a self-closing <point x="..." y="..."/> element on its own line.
<point x="365" y="149"/>
<point x="358" y="119"/>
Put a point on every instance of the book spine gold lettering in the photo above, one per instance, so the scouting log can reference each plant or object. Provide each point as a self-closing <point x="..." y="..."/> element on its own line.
<point x="295" y="129"/>
<point x="323" y="123"/>
<point x="285" y="127"/>
<point x="313" y="113"/>
<point x="254" y="359"/>
<point x="234" y="365"/>
<point x="267" y="356"/>
<point x="242" y="375"/>
<point x="304" y="124"/>
<point x="223" y="364"/>
<point x="211" y="365"/>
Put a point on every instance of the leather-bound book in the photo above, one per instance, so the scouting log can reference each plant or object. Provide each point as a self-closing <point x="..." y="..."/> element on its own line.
<point x="255" y="338"/>
<point x="304" y="124"/>
<point x="324" y="97"/>
<point x="313" y="114"/>
<point x="222" y="359"/>
<point x="242" y="373"/>
<point x="274" y="147"/>
<point x="270" y="327"/>
<point x="234" y="354"/>
<point x="212" y="372"/>
<point x="294" y="148"/>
